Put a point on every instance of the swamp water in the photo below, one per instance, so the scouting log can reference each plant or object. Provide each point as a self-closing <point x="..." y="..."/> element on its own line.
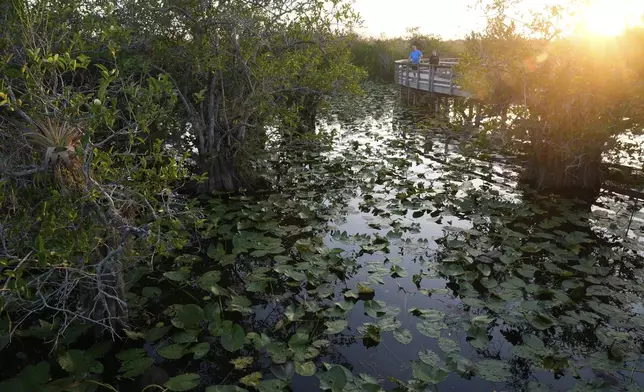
<point x="386" y="261"/>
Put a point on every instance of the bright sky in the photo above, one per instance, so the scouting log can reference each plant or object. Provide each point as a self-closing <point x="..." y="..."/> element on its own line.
<point x="456" y="18"/>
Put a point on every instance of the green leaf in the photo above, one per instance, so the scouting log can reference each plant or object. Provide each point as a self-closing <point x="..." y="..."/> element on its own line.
<point x="251" y="380"/>
<point x="426" y="373"/>
<point x="334" y="378"/>
<point x="599" y="291"/>
<point x="134" y="362"/>
<point x="403" y="336"/>
<point x="242" y="363"/>
<point x="173" y="351"/>
<point x="431" y="329"/>
<point x="432" y="359"/>
<point x="337" y="326"/>
<point x="150" y="292"/>
<point x="209" y="279"/>
<point x="541" y="321"/>
<point x="448" y="346"/>
<point x="183" y="382"/>
<point x="305" y="369"/>
<point x="284" y="372"/>
<point x="513" y="283"/>
<point x="493" y="370"/>
<point x="225" y="388"/>
<point x="188" y="316"/>
<point x="200" y="349"/>
<point x="234" y="339"/>
<point x="176" y="276"/>
<point x="273" y="385"/>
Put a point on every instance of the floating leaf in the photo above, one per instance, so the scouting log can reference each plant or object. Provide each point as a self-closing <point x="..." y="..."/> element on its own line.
<point x="431" y="329"/>
<point x="251" y="380"/>
<point x="173" y="351"/>
<point x="428" y="374"/>
<point x="493" y="370"/>
<point x="599" y="291"/>
<point x="541" y="321"/>
<point x="225" y="388"/>
<point x="273" y="385"/>
<point x="403" y="336"/>
<point x="305" y="369"/>
<point x="188" y="316"/>
<point x="334" y="378"/>
<point x="234" y="339"/>
<point x="183" y="382"/>
<point x="134" y="362"/>
<point x="177" y="276"/>
<point x="150" y="292"/>
<point x="432" y="359"/>
<point x="284" y="372"/>
<point x="242" y="363"/>
<point x="448" y="346"/>
<point x="200" y="349"/>
<point x="336" y="326"/>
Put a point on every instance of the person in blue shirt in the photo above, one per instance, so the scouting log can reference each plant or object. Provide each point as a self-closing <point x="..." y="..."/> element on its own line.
<point x="415" y="57"/>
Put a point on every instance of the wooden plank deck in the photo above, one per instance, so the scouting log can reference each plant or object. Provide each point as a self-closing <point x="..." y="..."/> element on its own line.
<point x="439" y="79"/>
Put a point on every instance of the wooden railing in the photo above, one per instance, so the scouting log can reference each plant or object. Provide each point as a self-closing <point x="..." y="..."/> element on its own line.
<point x="440" y="79"/>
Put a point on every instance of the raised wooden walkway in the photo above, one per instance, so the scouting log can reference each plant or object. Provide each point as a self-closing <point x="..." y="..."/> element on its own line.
<point x="438" y="79"/>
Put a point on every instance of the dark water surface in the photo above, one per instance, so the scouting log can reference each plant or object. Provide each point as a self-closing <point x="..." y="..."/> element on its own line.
<point x="448" y="275"/>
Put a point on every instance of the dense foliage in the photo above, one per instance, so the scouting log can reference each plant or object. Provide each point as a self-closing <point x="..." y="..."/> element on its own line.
<point x="569" y="97"/>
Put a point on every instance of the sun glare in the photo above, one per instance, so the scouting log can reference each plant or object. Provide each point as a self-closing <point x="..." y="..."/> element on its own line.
<point x="609" y="17"/>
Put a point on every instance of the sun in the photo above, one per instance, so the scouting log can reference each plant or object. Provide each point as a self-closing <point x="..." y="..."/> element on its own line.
<point x="608" y="17"/>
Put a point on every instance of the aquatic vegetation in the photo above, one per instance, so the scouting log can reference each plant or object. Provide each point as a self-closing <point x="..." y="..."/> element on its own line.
<point x="378" y="264"/>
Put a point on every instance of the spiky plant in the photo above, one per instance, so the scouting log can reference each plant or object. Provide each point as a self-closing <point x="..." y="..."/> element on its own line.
<point x="60" y="141"/>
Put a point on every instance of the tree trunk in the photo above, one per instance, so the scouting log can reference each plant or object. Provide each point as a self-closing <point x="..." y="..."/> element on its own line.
<point x="569" y="167"/>
<point x="222" y="172"/>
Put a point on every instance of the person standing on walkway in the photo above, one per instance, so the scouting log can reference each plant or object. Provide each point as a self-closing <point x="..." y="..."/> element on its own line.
<point x="415" y="56"/>
<point x="434" y="59"/>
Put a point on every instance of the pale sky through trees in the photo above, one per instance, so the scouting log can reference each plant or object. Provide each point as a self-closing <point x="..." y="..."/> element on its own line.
<point x="456" y="18"/>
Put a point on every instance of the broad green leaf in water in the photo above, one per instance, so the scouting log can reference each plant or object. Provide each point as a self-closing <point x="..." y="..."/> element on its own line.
<point x="432" y="359"/>
<point x="183" y="382"/>
<point x="305" y="369"/>
<point x="599" y="291"/>
<point x="541" y="321"/>
<point x="493" y="370"/>
<point x="177" y="276"/>
<point x="200" y="349"/>
<point x="173" y="351"/>
<point x="374" y="308"/>
<point x="273" y="385"/>
<point x="284" y="372"/>
<point x="334" y="379"/>
<point x="225" y="388"/>
<point x="251" y="380"/>
<point x="431" y="329"/>
<point x="150" y="292"/>
<point x="514" y="283"/>
<point x="448" y="346"/>
<point x="428" y="374"/>
<point x="234" y="339"/>
<point x="404" y="336"/>
<point x="242" y="363"/>
<point x="188" y="316"/>
<point x="336" y="326"/>
<point x="134" y="362"/>
<point x="209" y="279"/>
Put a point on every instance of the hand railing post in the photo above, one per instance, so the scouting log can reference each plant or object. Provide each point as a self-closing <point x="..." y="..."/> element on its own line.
<point x="451" y="80"/>
<point x="432" y="72"/>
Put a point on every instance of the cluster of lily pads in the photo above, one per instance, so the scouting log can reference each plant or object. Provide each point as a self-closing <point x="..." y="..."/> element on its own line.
<point x="282" y="285"/>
